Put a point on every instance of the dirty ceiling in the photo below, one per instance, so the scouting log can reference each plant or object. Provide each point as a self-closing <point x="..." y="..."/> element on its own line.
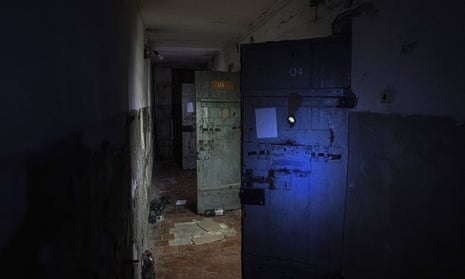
<point x="186" y="31"/>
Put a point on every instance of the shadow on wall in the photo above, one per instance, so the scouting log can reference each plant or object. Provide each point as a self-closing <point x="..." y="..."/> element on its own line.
<point x="405" y="197"/>
<point x="76" y="198"/>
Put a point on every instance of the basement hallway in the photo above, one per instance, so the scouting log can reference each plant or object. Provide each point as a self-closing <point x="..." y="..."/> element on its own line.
<point x="185" y="244"/>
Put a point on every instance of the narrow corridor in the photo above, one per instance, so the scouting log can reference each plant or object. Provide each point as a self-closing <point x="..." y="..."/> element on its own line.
<point x="176" y="255"/>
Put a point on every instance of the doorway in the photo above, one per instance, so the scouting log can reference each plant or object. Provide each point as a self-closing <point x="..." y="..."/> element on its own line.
<point x="188" y="244"/>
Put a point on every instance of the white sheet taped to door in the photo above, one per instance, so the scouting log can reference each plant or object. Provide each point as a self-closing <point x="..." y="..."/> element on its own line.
<point x="190" y="107"/>
<point x="265" y="121"/>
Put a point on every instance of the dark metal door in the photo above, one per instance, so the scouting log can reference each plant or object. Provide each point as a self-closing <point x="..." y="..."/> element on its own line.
<point x="294" y="175"/>
<point x="218" y="128"/>
<point x="188" y="127"/>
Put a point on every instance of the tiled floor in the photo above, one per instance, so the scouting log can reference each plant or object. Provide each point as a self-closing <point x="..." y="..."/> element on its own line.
<point x="219" y="259"/>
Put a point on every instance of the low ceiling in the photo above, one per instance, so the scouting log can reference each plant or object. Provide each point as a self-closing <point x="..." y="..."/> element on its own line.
<point x="193" y="31"/>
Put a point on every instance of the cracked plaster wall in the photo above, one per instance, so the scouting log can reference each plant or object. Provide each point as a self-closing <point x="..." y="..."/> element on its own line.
<point x="140" y="139"/>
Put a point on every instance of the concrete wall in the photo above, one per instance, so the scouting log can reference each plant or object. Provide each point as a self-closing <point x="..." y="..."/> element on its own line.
<point x="140" y="138"/>
<point x="405" y="197"/>
<point x="405" y="191"/>
<point x="65" y="157"/>
<point x="414" y="50"/>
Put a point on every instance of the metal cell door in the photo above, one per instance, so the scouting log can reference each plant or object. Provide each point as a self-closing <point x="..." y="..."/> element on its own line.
<point x="218" y="140"/>
<point x="294" y="157"/>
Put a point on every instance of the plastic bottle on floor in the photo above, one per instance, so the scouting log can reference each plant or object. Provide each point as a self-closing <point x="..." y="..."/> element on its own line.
<point x="214" y="212"/>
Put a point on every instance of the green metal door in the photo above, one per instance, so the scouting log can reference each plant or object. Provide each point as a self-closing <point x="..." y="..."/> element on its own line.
<point x="218" y="117"/>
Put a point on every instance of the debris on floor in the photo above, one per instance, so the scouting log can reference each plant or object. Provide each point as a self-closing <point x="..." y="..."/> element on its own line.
<point x="147" y="265"/>
<point x="207" y="238"/>
<point x="181" y="202"/>
<point x="156" y="209"/>
<point x="213" y="212"/>
<point x="199" y="232"/>
<point x="183" y="233"/>
<point x="216" y="260"/>
<point x="209" y="225"/>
